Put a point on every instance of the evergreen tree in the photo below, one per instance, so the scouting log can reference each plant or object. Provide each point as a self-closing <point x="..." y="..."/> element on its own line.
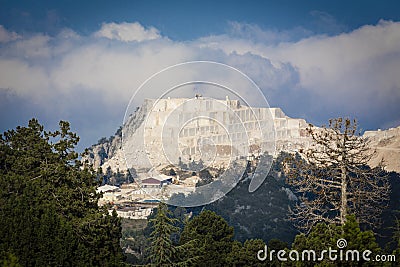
<point x="246" y="254"/>
<point x="48" y="202"/>
<point x="324" y="236"/>
<point x="214" y="239"/>
<point x="162" y="250"/>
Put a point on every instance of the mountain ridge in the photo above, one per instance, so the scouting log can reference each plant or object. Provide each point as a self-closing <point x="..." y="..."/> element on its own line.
<point x="290" y="137"/>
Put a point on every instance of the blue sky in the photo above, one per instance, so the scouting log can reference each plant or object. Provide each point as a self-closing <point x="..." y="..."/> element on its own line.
<point x="81" y="61"/>
<point x="185" y="20"/>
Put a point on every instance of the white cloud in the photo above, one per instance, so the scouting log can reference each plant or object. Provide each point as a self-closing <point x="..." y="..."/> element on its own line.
<point x="36" y="46"/>
<point x="354" y="73"/>
<point x="7" y="36"/>
<point x="127" y="32"/>
<point x="115" y="73"/>
<point x="22" y="78"/>
<point x="113" y="69"/>
<point x="361" y="63"/>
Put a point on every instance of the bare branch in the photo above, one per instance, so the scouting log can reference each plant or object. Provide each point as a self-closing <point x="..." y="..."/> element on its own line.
<point x="334" y="178"/>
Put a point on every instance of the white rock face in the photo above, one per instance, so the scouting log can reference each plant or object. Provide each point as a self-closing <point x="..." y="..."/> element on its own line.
<point x="386" y="143"/>
<point x="107" y="153"/>
<point x="164" y="131"/>
<point x="167" y="131"/>
<point x="203" y="128"/>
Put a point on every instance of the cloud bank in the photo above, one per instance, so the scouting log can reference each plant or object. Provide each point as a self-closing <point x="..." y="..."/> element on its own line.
<point x="89" y="80"/>
<point x="127" y="32"/>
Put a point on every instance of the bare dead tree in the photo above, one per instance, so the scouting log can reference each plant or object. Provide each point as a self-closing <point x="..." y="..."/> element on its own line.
<point x="333" y="178"/>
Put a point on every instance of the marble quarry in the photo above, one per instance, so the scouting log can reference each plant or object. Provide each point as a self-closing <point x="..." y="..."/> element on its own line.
<point x="180" y="130"/>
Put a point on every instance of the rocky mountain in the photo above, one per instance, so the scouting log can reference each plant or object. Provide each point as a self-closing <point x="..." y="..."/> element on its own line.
<point x="148" y="120"/>
<point x="105" y="151"/>
<point x="219" y="123"/>
<point x="239" y="207"/>
<point x="386" y="143"/>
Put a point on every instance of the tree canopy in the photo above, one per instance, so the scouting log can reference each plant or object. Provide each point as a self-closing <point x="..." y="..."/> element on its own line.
<point x="349" y="236"/>
<point x="48" y="202"/>
<point x="214" y="237"/>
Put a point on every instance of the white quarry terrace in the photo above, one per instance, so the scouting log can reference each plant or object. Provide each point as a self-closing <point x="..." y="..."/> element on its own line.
<point x="173" y="130"/>
<point x="290" y="134"/>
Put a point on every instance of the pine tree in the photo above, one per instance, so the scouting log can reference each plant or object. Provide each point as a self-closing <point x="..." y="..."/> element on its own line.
<point x="162" y="250"/>
<point x="324" y="236"/>
<point x="333" y="178"/>
<point x="246" y="254"/>
<point x="48" y="202"/>
<point x="213" y="239"/>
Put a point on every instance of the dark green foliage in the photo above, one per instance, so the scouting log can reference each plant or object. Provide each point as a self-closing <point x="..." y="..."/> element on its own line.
<point x="118" y="132"/>
<point x="162" y="250"/>
<point x="246" y="254"/>
<point x="322" y="236"/>
<point x="262" y="213"/>
<point x="102" y="141"/>
<point x="109" y="175"/>
<point x="103" y="154"/>
<point x="134" y="242"/>
<point x="390" y="215"/>
<point x="396" y="239"/>
<point x="115" y="178"/>
<point x="8" y="259"/>
<point x="48" y="204"/>
<point x="213" y="236"/>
